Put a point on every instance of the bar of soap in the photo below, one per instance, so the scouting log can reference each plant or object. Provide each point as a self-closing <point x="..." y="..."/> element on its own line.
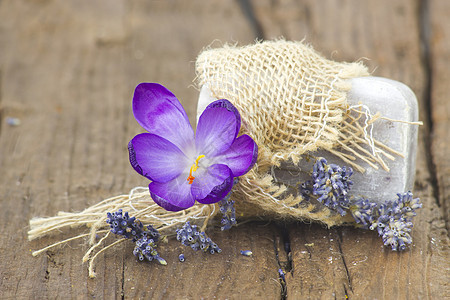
<point x="393" y="100"/>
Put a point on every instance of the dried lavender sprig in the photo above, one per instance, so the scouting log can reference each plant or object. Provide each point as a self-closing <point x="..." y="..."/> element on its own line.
<point x="190" y="236"/>
<point x="362" y="211"/>
<point x="146" y="249"/>
<point x="332" y="184"/>
<point x="129" y="227"/>
<point x="228" y="213"/>
<point x="405" y="206"/>
<point x="392" y="219"/>
<point x="396" y="233"/>
<point x="145" y="238"/>
<point x="124" y="225"/>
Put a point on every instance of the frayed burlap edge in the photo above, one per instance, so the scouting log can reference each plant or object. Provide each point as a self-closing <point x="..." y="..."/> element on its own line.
<point x="138" y="203"/>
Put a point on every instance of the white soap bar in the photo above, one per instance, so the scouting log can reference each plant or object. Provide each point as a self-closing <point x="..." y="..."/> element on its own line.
<point x="393" y="100"/>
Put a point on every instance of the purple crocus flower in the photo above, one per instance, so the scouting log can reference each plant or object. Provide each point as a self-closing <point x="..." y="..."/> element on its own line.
<point x="184" y="167"/>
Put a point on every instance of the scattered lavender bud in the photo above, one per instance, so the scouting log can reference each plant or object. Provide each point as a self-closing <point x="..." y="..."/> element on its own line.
<point x="246" y="252"/>
<point x="181" y="257"/>
<point x="281" y="273"/>
<point x="13" y="121"/>
<point x="161" y="260"/>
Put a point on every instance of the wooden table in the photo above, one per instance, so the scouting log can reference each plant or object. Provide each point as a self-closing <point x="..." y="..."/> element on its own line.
<point x="67" y="72"/>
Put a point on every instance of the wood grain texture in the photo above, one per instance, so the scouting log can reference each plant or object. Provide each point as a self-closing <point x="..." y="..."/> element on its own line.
<point x="68" y="70"/>
<point x="439" y="61"/>
<point x="353" y="262"/>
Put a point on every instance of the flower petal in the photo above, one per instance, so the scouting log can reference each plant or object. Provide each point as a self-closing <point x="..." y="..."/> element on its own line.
<point x="240" y="157"/>
<point x="213" y="184"/>
<point x="159" y="112"/>
<point x="174" y="195"/>
<point x="156" y="158"/>
<point x="217" y="128"/>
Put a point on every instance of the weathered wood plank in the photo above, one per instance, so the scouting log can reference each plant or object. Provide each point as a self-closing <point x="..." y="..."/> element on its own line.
<point x="353" y="262"/>
<point x="68" y="72"/>
<point x="227" y="275"/>
<point x="439" y="57"/>
<point x="60" y="156"/>
<point x="68" y="69"/>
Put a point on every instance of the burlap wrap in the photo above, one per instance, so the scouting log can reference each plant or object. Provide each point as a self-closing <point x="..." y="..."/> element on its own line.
<point x="292" y="101"/>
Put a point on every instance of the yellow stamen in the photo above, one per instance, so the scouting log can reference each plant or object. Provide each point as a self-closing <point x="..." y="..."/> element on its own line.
<point x="193" y="169"/>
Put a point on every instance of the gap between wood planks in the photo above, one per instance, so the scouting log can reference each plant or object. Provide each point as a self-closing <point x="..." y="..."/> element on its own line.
<point x="425" y="32"/>
<point x="282" y="248"/>
<point x="122" y="292"/>
<point x="255" y="24"/>
<point x="1" y="108"/>
<point x="284" y="267"/>
<point x="347" y="272"/>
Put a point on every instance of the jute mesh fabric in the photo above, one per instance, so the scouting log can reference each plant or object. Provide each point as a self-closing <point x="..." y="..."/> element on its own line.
<point x="292" y="102"/>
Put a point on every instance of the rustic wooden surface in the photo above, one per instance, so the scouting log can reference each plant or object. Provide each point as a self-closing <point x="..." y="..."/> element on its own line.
<point x="68" y="70"/>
